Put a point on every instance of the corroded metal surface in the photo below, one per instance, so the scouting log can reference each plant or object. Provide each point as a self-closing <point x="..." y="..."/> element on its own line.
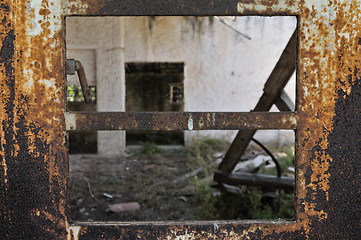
<point x="188" y="230"/>
<point x="33" y="173"/>
<point x="73" y="66"/>
<point x="178" y="121"/>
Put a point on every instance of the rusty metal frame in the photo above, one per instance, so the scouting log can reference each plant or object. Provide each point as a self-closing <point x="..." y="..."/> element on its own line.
<point x="34" y="162"/>
<point x="178" y="120"/>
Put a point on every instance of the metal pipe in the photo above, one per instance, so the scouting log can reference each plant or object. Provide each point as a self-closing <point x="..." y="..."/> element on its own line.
<point x="74" y="65"/>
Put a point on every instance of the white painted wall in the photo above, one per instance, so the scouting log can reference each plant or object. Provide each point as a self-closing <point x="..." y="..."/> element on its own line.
<point x="98" y="43"/>
<point x="224" y="71"/>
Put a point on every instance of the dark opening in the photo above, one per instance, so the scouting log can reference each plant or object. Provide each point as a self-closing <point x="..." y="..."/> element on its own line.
<point x="84" y="141"/>
<point x="154" y="87"/>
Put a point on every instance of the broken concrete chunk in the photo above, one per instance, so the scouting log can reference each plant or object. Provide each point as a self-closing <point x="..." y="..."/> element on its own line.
<point x="149" y="166"/>
<point x="124" y="207"/>
<point x="107" y="195"/>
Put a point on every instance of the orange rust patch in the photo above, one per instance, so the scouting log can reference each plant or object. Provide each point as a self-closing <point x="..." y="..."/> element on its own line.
<point x="38" y="108"/>
<point x="32" y="118"/>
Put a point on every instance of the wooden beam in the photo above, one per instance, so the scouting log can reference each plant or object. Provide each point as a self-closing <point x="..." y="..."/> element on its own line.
<point x="278" y="79"/>
<point x="259" y="180"/>
<point x="285" y="103"/>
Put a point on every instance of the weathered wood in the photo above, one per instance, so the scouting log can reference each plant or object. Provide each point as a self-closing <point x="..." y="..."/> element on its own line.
<point x="260" y="180"/>
<point x="284" y="102"/>
<point x="278" y="79"/>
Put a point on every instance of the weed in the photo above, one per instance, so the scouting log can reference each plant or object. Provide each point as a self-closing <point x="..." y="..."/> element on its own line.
<point x="111" y="181"/>
<point x="150" y="148"/>
<point x="230" y="206"/>
<point x="203" y="190"/>
<point x="246" y="205"/>
<point x="285" y="161"/>
<point x="201" y="154"/>
<point x="250" y="203"/>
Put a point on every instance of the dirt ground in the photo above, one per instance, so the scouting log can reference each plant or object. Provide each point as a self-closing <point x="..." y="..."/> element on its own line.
<point x="151" y="186"/>
<point x="96" y="183"/>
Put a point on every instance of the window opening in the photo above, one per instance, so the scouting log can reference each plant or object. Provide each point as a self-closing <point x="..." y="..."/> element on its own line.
<point x="156" y="87"/>
<point x="176" y="92"/>
<point x="206" y="65"/>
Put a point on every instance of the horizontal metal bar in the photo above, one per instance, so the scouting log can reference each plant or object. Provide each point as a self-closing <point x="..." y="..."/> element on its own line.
<point x="179" y="120"/>
<point x="181" y="7"/>
<point x="215" y="229"/>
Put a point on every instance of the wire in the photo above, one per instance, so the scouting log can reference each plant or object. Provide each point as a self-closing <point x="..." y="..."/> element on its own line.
<point x="226" y="24"/>
<point x="279" y="171"/>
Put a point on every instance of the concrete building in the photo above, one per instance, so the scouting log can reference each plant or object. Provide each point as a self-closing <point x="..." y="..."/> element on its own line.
<point x="224" y="63"/>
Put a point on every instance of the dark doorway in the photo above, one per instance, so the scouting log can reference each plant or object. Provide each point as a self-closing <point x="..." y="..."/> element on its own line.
<point x="154" y="87"/>
<point x="82" y="141"/>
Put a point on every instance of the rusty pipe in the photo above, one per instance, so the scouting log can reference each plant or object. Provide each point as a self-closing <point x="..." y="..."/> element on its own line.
<point x="76" y="66"/>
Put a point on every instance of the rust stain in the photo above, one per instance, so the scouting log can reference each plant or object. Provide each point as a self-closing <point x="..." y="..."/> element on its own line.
<point x="33" y="154"/>
<point x="179" y="121"/>
<point x="266" y="7"/>
<point x="33" y="122"/>
<point x="151" y="8"/>
<point x="7" y="75"/>
<point x="322" y="74"/>
<point x="84" y="6"/>
<point x="187" y="230"/>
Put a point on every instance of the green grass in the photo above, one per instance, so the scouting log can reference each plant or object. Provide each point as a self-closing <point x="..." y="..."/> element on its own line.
<point x="250" y="202"/>
<point x="201" y="154"/>
<point x="150" y="148"/>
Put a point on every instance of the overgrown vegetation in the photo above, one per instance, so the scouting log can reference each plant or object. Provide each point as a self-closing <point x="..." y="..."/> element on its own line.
<point x="150" y="148"/>
<point x="250" y="202"/>
<point x="284" y="158"/>
<point x="202" y="154"/>
<point x="174" y="185"/>
<point x="75" y="94"/>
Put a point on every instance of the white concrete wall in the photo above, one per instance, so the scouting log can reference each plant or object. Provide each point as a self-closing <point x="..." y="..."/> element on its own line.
<point x="224" y="71"/>
<point x="98" y="43"/>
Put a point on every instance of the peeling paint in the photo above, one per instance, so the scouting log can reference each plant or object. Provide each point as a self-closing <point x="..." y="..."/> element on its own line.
<point x="44" y="16"/>
<point x="74" y="232"/>
<point x="34" y="167"/>
<point x="190" y="122"/>
<point x="70" y="121"/>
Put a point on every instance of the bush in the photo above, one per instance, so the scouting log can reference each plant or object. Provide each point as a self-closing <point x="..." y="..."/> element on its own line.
<point x="246" y="205"/>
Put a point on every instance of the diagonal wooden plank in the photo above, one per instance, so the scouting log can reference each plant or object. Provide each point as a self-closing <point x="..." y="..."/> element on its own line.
<point x="275" y="83"/>
<point x="285" y="103"/>
<point x="260" y="180"/>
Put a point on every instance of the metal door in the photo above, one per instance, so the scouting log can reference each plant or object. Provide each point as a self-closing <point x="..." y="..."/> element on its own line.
<point x="34" y="162"/>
